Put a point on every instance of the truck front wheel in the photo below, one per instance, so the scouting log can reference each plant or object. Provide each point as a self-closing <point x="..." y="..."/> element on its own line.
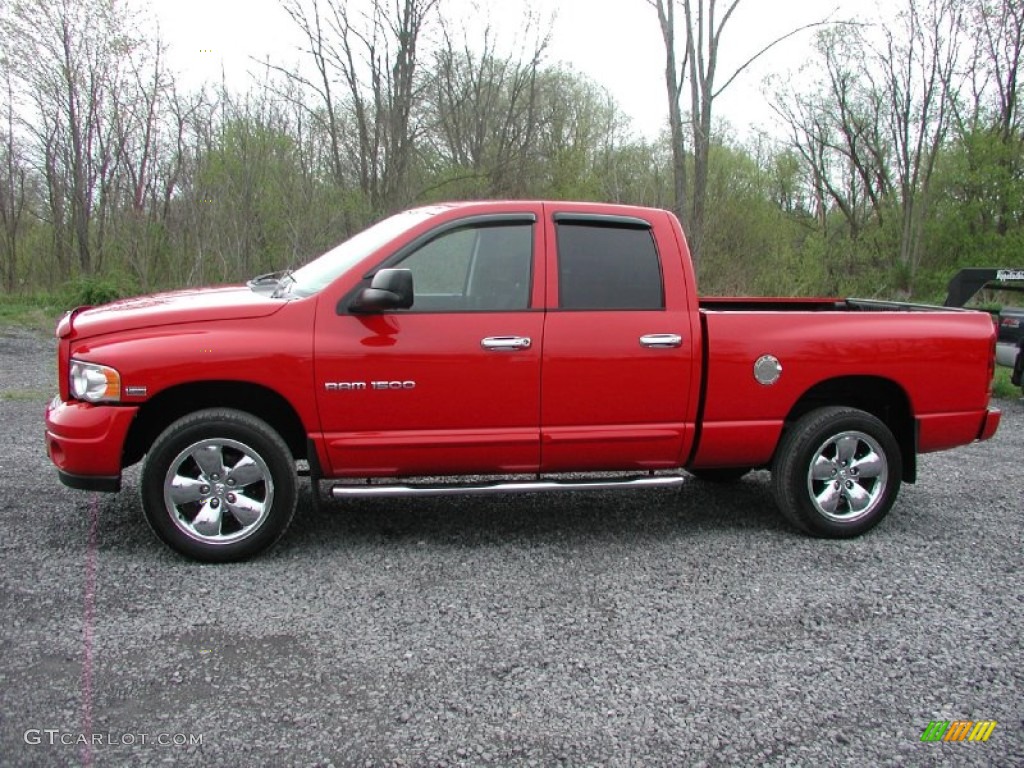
<point x="219" y="485"/>
<point x="837" y="472"/>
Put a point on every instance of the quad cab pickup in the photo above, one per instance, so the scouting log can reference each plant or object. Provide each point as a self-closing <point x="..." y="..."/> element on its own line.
<point x="502" y="346"/>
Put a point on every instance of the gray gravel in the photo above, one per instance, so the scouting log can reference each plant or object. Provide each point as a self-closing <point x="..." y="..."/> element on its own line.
<point x="660" y="627"/>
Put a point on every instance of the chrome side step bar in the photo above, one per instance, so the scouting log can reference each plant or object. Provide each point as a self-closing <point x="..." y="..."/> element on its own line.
<point x="526" y="486"/>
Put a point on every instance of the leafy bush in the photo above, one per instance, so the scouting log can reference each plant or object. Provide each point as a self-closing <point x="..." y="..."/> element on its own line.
<point x="93" y="291"/>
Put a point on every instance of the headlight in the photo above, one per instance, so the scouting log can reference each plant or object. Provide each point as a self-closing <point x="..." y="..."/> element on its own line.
<point x="95" y="383"/>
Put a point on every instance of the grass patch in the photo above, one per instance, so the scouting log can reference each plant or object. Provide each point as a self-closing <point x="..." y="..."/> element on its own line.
<point x="38" y="312"/>
<point x="25" y="395"/>
<point x="41" y="311"/>
<point x="1002" y="386"/>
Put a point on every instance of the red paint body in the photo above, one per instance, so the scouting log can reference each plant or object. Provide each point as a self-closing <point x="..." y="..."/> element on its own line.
<point x="584" y="396"/>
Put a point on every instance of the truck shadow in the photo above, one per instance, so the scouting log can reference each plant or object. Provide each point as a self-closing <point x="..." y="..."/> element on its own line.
<point x="694" y="510"/>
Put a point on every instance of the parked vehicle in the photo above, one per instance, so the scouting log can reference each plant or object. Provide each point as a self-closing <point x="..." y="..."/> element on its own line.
<point x="1009" y="320"/>
<point x="556" y="345"/>
<point x="1011" y="334"/>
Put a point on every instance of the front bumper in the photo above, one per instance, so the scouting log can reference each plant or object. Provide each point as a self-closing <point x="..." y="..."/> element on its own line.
<point x="85" y="442"/>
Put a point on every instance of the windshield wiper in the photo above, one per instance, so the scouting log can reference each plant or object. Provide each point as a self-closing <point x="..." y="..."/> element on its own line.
<point x="284" y="284"/>
<point x="270" y="282"/>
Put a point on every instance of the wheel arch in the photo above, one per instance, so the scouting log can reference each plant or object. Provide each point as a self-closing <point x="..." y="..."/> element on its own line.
<point x="156" y="414"/>
<point x="882" y="398"/>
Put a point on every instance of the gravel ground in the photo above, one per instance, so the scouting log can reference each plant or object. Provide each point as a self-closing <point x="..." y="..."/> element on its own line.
<point x="664" y="627"/>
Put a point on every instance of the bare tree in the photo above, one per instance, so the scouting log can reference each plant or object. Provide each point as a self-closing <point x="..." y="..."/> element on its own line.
<point x="139" y="125"/>
<point x="309" y="18"/>
<point x="840" y="134"/>
<point x="367" y="60"/>
<point x="195" y="117"/>
<point x="703" y="29"/>
<point x="145" y="148"/>
<point x="484" y="106"/>
<point x="999" y="26"/>
<point x="13" y="198"/>
<point x="72" y="64"/>
<point x="872" y="135"/>
<point x="578" y="126"/>
<point x="918" y="71"/>
<point x="675" y="76"/>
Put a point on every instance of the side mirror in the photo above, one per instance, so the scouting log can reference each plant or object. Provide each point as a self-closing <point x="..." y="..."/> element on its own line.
<point x="389" y="289"/>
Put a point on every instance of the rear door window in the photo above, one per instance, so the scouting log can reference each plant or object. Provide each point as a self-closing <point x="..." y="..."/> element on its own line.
<point x="604" y="265"/>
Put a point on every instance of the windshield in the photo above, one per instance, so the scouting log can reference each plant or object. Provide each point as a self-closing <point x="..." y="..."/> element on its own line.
<point x="323" y="270"/>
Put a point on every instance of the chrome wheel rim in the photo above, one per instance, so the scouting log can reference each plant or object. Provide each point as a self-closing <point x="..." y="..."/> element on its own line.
<point x="848" y="476"/>
<point x="218" y="491"/>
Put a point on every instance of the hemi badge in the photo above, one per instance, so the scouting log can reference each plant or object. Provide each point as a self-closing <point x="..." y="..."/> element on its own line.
<point x="135" y="391"/>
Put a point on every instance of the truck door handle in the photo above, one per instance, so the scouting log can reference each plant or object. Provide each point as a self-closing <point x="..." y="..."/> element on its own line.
<point x="661" y="340"/>
<point x="506" y="343"/>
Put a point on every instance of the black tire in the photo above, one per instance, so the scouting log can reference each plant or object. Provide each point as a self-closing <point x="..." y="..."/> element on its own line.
<point x="234" y="480"/>
<point x="1017" y="377"/>
<point x="720" y="474"/>
<point x="837" y="472"/>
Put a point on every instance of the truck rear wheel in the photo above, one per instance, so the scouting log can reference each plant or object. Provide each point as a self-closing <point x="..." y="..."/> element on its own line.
<point x="219" y="485"/>
<point x="837" y="472"/>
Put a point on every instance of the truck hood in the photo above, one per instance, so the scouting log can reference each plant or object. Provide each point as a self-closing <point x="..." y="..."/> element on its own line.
<point x="195" y="305"/>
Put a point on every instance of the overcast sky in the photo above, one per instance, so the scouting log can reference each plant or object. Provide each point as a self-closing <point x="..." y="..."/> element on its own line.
<point x="615" y="42"/>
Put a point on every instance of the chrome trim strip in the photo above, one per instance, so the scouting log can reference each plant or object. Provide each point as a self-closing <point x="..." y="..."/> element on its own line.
<point x="369" y="491"/>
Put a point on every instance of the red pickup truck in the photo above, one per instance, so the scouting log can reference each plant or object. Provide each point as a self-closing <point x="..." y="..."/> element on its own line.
<point x="500" y="346"/>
